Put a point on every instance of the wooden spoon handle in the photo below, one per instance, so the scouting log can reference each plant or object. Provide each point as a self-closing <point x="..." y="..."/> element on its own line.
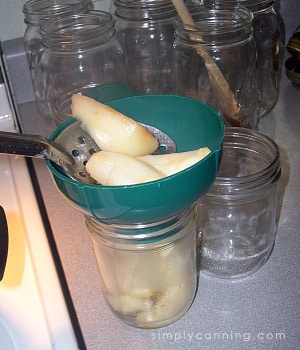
<point x="224" y="95"/>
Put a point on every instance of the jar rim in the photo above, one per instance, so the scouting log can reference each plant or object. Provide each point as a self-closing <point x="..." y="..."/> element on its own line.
<point x="78" y="30"/>
<point x="227" y="18"/>
<point x="253" y="182"/>
<point x="59" y="26"/>
<point x="37" y="10"/>
<point x="144" y="10"/>
<point x="144" y="5"/>
<point x="252" y="5"/>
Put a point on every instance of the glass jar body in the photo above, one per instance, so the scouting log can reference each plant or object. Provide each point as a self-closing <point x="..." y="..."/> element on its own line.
<point x="225" y="36"/>
<point x="267" y="34"/>
<point x="80" y="51"/>
<point x="237" y="217"/>
<point x="146" y="33"/>
<point x="36" y="12"/>
<point x="148" y="272"/>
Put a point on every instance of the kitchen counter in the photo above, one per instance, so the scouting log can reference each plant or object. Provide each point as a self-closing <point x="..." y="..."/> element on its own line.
<point x="258" y="312"/>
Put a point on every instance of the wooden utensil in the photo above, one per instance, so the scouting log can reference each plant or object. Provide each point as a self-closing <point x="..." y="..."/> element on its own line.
<point x="228" y="105"/>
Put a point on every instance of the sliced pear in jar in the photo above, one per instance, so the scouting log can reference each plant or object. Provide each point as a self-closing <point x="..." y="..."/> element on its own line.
<point x="115" y="169"/>
<point x="112" y="131"/>
<point x="172" y="163"/>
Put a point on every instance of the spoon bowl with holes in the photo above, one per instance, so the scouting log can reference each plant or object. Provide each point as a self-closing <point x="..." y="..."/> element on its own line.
<point x="182" y="123"/>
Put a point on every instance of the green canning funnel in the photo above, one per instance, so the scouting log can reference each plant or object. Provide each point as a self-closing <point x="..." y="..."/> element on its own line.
<point x="190" y="123"/>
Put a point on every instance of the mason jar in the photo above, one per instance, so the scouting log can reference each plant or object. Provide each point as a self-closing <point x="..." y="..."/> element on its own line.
<point x="267" y="33"/>
<point x="146" y="34"/>
<point x="219" y="40"/>
<point x="148" y="271"/>
<point x="80" y="51"/>
<point x="237" y="217"/>
<point x="35" y="13"/>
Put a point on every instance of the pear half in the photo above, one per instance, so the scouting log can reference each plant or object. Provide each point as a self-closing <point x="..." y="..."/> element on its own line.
<point x="115" y="169"/>
<point x="172" y="163"/>
<point x="112" y="130"/>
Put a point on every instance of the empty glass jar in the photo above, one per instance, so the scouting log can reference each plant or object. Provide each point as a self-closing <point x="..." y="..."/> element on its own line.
<point x="219" y="43"/>
<point x="148" y="271"/>
<point x="36" y="12"/>
<point x="80" y="51"/>
<point x="267" y="27"/>
<point x="237" y="218"/>
<point x="146" y="34"/>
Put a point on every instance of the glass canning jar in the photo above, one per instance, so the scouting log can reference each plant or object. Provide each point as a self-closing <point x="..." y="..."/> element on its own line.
<point x="225" y="37"/>
<point x="146" y="34"/>
<point x="80" y="51"/>
<point x="267" y="32"/>
<point x="35" y="13"/>
<point x="148" y="271"/>
<point x="237" y="217"/>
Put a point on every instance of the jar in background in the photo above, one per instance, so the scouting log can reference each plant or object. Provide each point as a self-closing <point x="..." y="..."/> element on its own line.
<point x="267" y="26"/>
<point x="225" y="36"/>
<point x="146" y="34"/>
<point x="36" y="12"/>
<point x="237" y="217"/>
<point x="80" y="51"/>
<point x="148" y="271"/>
<point x="267" y="32"/>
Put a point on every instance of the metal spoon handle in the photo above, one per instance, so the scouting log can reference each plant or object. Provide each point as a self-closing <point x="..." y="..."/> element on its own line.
<point x="36" y="146"/>
<point x="24" y="145"/>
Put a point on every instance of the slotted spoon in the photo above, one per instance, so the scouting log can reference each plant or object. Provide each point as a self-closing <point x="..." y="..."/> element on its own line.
<point x="71" y="149"/>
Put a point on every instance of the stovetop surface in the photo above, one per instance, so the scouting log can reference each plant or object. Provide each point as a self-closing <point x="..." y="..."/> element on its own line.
<point x="33" y="311"/>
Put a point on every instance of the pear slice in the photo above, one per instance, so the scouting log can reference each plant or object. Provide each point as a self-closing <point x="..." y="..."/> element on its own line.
<point x="172" y="163"/>
<point x="112" y="130"/>
<point x="115" y="169"/>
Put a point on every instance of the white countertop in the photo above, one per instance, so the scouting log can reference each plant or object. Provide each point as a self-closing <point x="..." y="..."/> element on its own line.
<point x="258" y="312"/>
